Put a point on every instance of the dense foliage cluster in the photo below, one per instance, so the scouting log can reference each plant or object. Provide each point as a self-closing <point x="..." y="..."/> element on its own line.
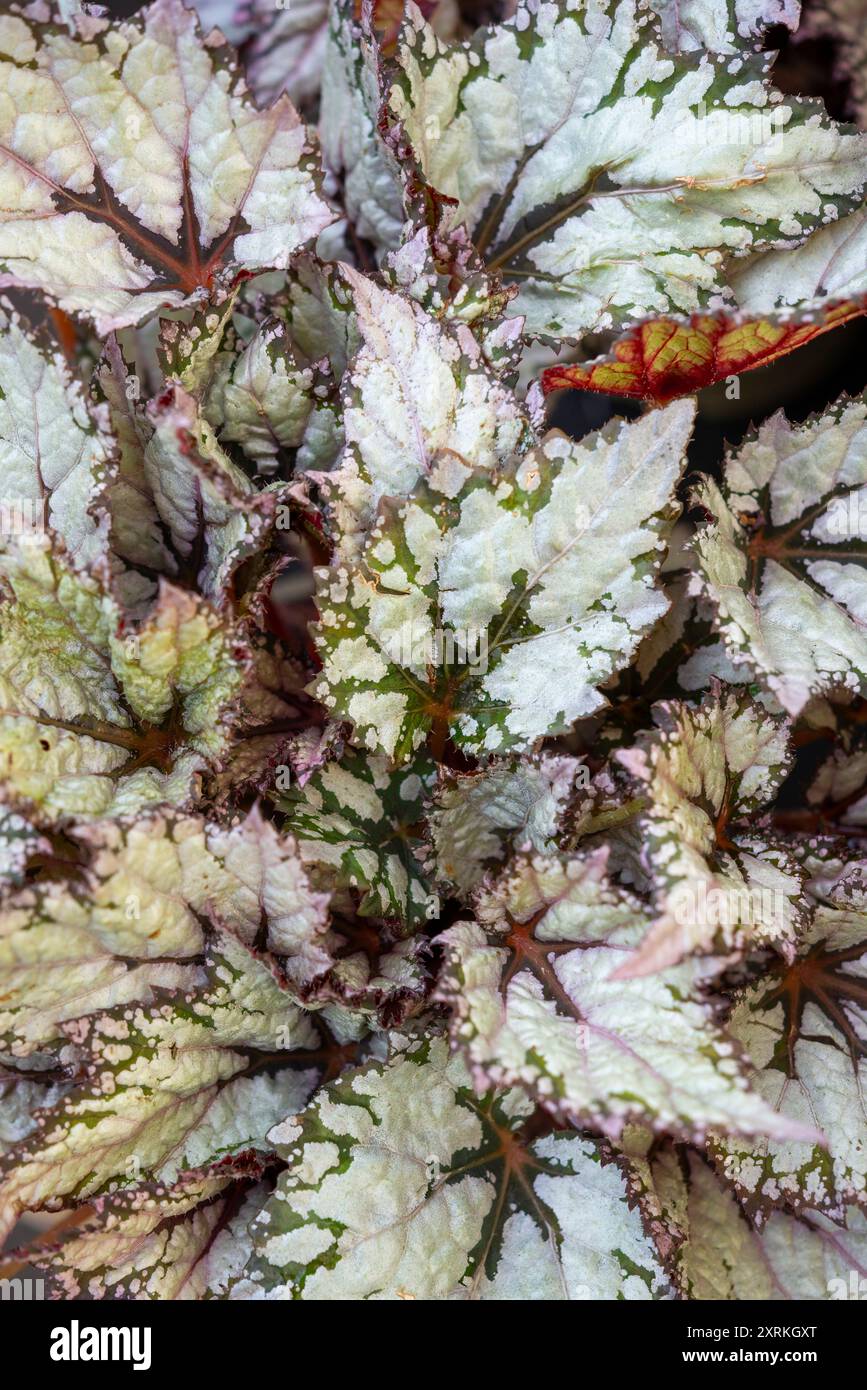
<point x="432" y="845"/>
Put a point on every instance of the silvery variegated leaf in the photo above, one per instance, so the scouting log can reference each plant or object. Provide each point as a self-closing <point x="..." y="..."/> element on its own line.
<point x="529" y="983"/>
<point x="403" y="1184"/>
<point x="262" y="398"/>
<point x="58" y="961"/>
<point x="420" y="400"/>
<point x="182" y="1241"/>
<point x="122" y="194"/>
<point x="132" y="921"/>
<point x="177" y="500"/>
<point x="348" y="122"/>
<point x="722" y="26"/>
<point x="713" y="1250"/>
<point x="266" y="380"/>
<point x="286" y="49"/>
<point x="803" y="1025"/>
<point x="375" y="983"/>
<point x="358" y="823"/>
<point x="57" y="451"/>
<point x="827" y="268"/>
<point x="99" y="716"/>
<point x="185" y="343"/>
<point x="352" y="95"/>
<point x="431" y="843"/>
<point x="782" y="555"/>
<point x="316" y="304"/>
<point x="478" y="817"/>
<point x="426" y="264"/>
<point x="490" y="609"/>
<point x="720" y="883"/>
<point x="165" y="1086"/>
<point x="609" y="178"/>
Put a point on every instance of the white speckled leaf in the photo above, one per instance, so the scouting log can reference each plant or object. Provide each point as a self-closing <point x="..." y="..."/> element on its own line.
<point x="185" y="1242"/>
<point x="55" y="450"/>
<point x="534" y="1003"/>
<point x="718" y="887"/>
<point x="358" y="822"/>
<point x="317" y="304"/>
<point x="783" y="558"/>
<point x="717" y="1254"/>
<point x="122" y="194"/>
<point x="348" y="130"/>
<point x="493" y="609"/>
<point x="829" y="268"/>
<point x="419" y="399"/>
<point x="402" y="1184"/>
<point x="610" y="178"/>
<point x="97" y="718"/>
<point x="177" y="500"/>
<point x="57" y="962"/>
<point x="803" y="1026"/>
<point x="477" y="816"/>
<point x="164" y="1087"/>
<point x="133" y="917"/>
<point x="721" y="26"/>
<point x="375" y="986"/>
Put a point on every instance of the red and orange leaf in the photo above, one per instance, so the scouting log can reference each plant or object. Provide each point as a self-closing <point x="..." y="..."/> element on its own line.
<point x="661" y="359"/>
